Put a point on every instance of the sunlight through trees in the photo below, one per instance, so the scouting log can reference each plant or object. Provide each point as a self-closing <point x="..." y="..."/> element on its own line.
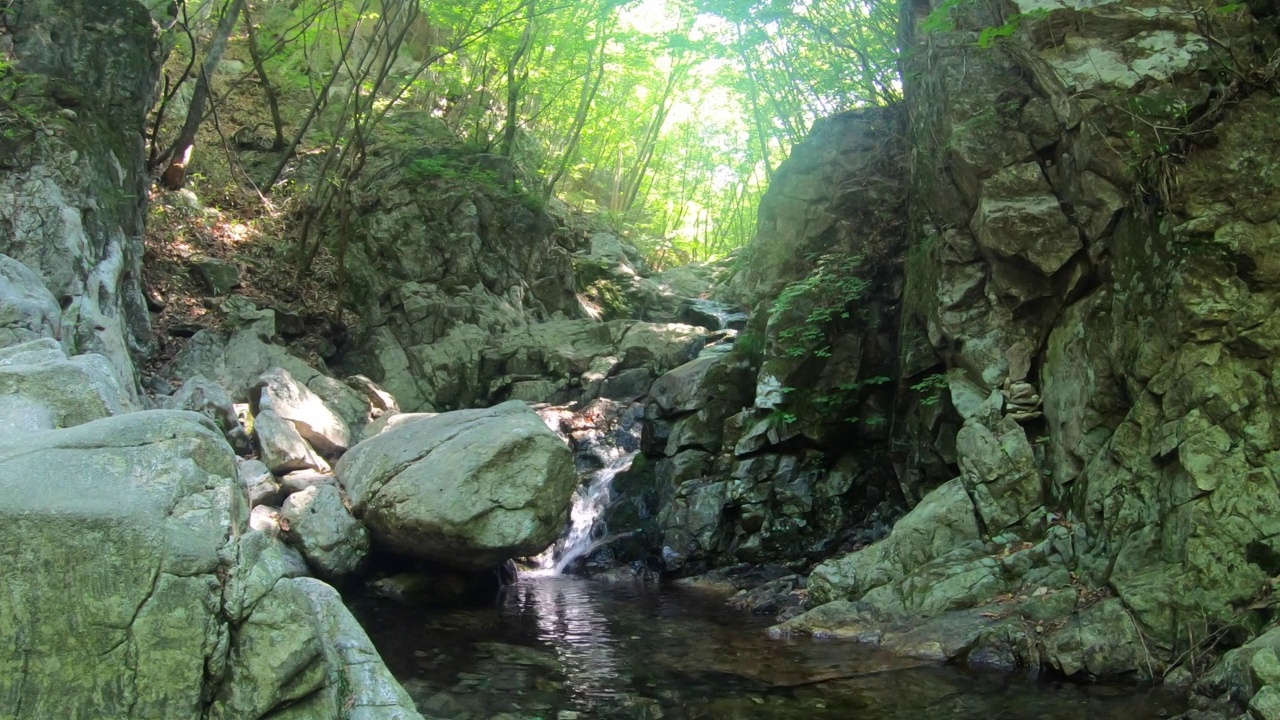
<point x="666" y="116"/>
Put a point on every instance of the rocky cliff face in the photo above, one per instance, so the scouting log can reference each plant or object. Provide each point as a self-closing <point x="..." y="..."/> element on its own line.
<point x="72" y="179"/>
<point x="470" y="292"/>
<point x="1092" y="219"/>
<point x="773" y="453"/>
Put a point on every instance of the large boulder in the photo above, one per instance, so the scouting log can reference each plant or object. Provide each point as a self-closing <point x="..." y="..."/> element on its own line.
<point x="28" y="311"/>
<point x="133" y="588"/>
<point x="278" y="391"/>
<point x="135" y="509"/>
<point x="42" y="389"/>
<point x="942" y="523"/>
<point x="334" y="544"/>
<point x="468" y="489"/>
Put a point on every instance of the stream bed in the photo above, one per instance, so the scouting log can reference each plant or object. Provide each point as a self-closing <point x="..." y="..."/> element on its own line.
<point x="558" y="648"/>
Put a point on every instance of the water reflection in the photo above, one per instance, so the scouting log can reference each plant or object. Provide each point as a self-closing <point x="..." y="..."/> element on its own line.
<point x="580" y="635"/>
<point x="565" y="648"/>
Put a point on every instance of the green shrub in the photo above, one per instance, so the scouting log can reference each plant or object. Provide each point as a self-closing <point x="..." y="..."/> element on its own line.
<point x="827" y="292"/>
<point x="931" y="388"/>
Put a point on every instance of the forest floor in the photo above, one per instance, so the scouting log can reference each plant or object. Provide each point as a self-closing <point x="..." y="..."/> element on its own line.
<point x="222" y="216"/>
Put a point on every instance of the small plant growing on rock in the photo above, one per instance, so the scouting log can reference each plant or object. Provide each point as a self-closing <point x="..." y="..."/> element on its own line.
<point x="931" y="388"/>
<point x="828" y="291"/>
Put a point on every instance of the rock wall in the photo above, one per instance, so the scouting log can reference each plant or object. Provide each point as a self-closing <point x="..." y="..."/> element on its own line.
<point x="437" y="260"/>
<point x="470" y="292"/>
<point x="72" y="178"/>
<point x="1093" y="208"/>
<point x="772" y="453"/>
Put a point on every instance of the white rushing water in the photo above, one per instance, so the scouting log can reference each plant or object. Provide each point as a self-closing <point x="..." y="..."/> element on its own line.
<point x="603" y="440"/>
<point x="587" y="529"/>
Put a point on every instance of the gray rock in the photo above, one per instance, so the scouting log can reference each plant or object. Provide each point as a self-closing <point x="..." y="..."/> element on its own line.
<point x="1265" y="705"/>
<point x="334" y="544"/>
<point x="941" y="523"/>
<point x="32" y="352"/>
<point x="390" y="421"/>
<point x="40" y="389"/>
<point x="660" y="346"/>
<point x="280" y="656"/>
<point x="192" y="616"/>
<point x="681" y="389"/>
<point x="147" y="553"/>
<point x="628" y="385"/>
<point x="27" y="309"/>
<point x="282" y="448"/>
<point x="218" y="277"/>
<point x="368" y="691"/>
<point x="263" y="560"/>
<point x="1000" y="472"/>
<point x="300" y="480"/>
<point x="202" y="395"/>
<point x="468" y="489"/>
<point x="379" y="399"/>
<point x="1019" y="216"/>
<point x="260" y="483"/>
<point x="278" y="392"/>
<point x="593" y="379"/>
<point x="266" y="520"/>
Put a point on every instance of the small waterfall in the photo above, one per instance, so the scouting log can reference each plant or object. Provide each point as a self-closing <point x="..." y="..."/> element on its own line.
<point x="587" y="530"/>
<point x="605" y="436"/>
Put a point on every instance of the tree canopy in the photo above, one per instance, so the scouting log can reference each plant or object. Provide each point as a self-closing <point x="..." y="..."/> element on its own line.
<point x="667" y="116"/>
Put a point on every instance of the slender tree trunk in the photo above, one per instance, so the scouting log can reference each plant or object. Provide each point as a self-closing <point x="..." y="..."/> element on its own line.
<point x="590" y="86"/>
<point x="756" y="116"/>
<point x="175" y="176"/>
<point x="319" y="102"/>
<point x="268" y="90"/>
<point x="514" y="83"/>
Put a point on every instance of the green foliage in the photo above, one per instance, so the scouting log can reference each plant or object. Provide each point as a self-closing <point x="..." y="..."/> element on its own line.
<point x="991" y="35"/>
<point x="451" y="170"/>
<point x="782" y="417"/>
<point x="825" y="296"/>
<point x="843" y="399"/>
<point x="17" y="118"/>
<point x="669" y="116"/>
<point x="457" y="170"/>
<point x="751" y="344"/>
<point x="931" y="388"/>
<point x="942" y="19"/>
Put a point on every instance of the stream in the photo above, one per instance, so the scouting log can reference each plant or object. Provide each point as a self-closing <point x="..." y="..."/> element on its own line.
<point x="556" y="647"/>
<point x="559" y="648"/>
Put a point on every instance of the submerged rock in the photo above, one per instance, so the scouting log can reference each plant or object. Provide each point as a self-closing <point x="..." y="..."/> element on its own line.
<point x="467" y="489"/>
